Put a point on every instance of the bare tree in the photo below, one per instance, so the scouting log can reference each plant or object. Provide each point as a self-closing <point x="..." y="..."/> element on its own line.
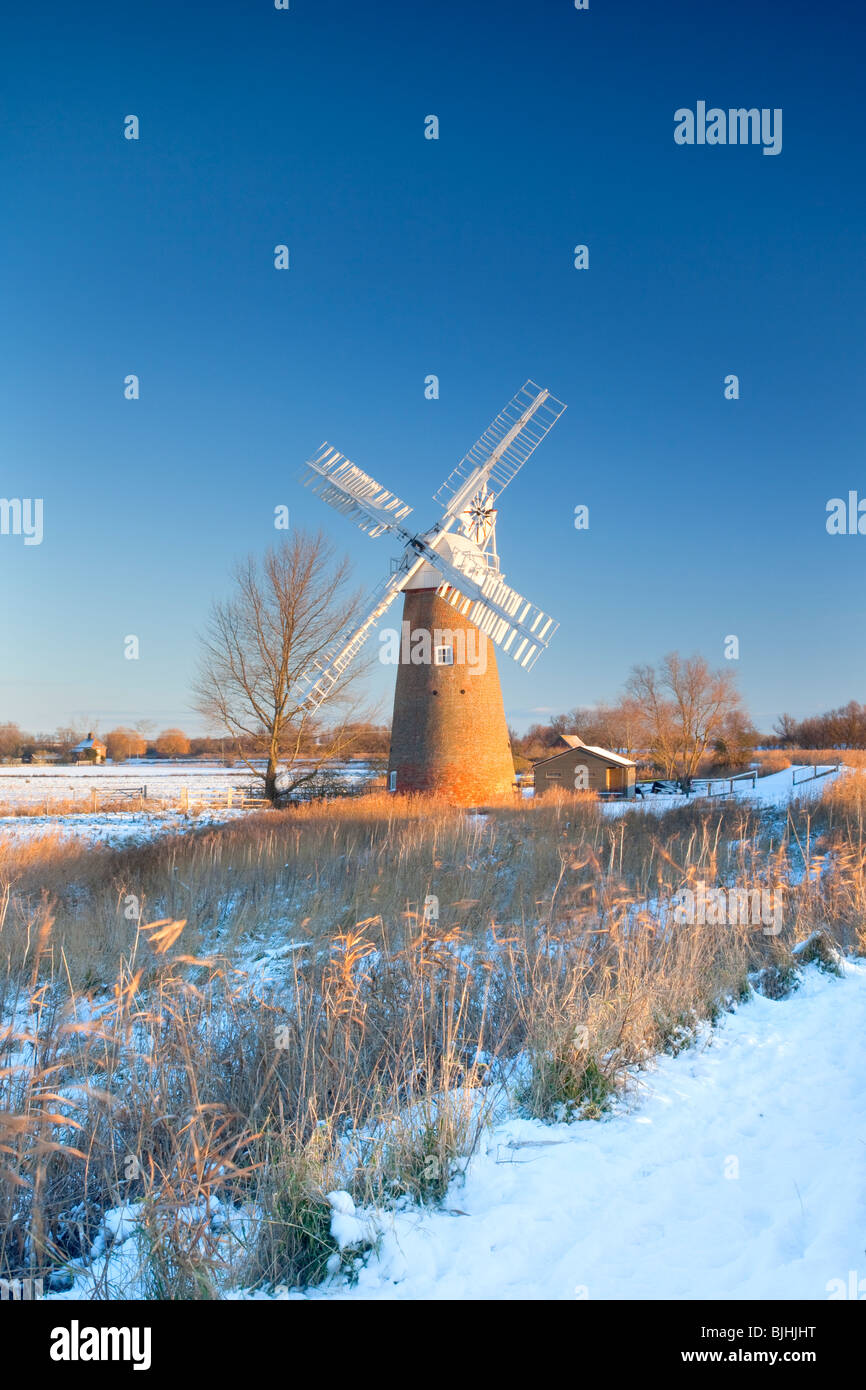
<point x="621" y="726"/>
<point x="144" y="729"/>
<point x="286" y="612"/>
<point x="785" y="729"/>
<point x="735" y="742"/>
<point x="67" y="736"/>
<point x="627" y="727"/>
<point x="687" y="706"/>
<point x="12" y="740"/>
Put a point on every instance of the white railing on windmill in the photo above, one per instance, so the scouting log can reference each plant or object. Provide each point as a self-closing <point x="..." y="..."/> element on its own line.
<point x="468" y="582"/>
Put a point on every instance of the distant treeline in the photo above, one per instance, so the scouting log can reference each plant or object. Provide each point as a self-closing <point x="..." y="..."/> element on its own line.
<point x="140" y="741"/>
<point x="844" y="727"/>
<point x="624" y="727"/>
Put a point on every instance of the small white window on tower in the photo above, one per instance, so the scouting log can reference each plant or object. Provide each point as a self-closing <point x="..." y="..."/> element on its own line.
<point x="443" y="656"/>
<point x="392" y="781"/>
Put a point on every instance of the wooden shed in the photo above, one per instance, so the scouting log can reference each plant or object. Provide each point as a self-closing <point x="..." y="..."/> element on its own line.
<point x="580" y="766"/>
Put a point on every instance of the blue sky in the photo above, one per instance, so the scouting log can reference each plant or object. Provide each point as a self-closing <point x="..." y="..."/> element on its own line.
<point x="411" y="257"/>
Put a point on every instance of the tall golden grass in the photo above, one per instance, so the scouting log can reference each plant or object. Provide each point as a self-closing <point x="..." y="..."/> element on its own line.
<point x="146" y="1060"/>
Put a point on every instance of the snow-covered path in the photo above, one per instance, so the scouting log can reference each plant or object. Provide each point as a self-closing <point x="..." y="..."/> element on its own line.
<point x="775" y="789"/>
<point x="736" y="1170"/>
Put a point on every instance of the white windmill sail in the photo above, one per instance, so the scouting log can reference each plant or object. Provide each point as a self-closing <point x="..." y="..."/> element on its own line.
<point x="345" y="487"/>
<point x="502" y="449"/>
<point x="319" y="679"/>
<point x="519" y="627"/>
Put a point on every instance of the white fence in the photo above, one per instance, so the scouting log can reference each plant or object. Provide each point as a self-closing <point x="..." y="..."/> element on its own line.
<point x="183" y="798"/>
<point x="812" y="773"/>
<point x="724" y="786"/>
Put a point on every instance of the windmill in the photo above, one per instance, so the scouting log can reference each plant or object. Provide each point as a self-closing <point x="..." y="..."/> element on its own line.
<point x="449" y="733"/>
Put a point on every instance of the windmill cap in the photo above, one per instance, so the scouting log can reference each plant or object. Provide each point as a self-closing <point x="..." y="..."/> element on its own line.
<point x="453" y="546"/>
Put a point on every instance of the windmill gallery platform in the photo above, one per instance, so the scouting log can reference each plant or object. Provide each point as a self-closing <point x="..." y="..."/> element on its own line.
<point x="449" y="735"/>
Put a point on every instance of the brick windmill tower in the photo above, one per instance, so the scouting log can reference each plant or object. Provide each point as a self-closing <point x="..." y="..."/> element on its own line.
<point x="449" y="734"/>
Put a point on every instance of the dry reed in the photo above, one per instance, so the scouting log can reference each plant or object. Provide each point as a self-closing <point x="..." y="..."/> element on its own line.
<point x="422" y="967"/>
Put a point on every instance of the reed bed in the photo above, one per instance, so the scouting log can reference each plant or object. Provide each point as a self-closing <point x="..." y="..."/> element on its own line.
<point x="424" y="969"/>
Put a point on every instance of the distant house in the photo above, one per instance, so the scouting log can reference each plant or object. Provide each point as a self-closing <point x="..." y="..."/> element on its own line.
<point x="89" y="750"/>
<point x="41" y="755"/>
<point x="580" y="766"/>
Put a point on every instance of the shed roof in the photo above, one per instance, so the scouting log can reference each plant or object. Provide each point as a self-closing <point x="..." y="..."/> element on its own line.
<point x="572" y="742"/>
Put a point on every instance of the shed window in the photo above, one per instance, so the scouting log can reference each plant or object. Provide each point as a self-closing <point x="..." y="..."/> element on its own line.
<point x="392" y="781"/>
<point x="443" y="656"/>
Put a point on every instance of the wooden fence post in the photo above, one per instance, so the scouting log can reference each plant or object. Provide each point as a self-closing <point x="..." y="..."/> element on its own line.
<point x="93" y="797"/>
<point x="184" y="798"/>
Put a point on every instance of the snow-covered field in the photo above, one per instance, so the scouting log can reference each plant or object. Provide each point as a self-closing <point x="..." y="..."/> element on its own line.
<point x="114" y="829"/>
<point x="28" y="785"/>
<point x="734" y="1170"/>
<point x="207" y="785"/>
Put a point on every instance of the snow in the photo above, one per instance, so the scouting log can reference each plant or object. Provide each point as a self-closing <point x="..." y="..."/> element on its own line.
<point x="347" y="1227"/>
<point x="780" y="787"/>
<point x="776" y="789"/>
<point x="208" y="784"/>
<point x="114" y="829"/>
<point x="120" y="1257"/>
<point x="732" y="1171"/>
<point x="606" y="753"/>
<point x="30" y="783"/>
